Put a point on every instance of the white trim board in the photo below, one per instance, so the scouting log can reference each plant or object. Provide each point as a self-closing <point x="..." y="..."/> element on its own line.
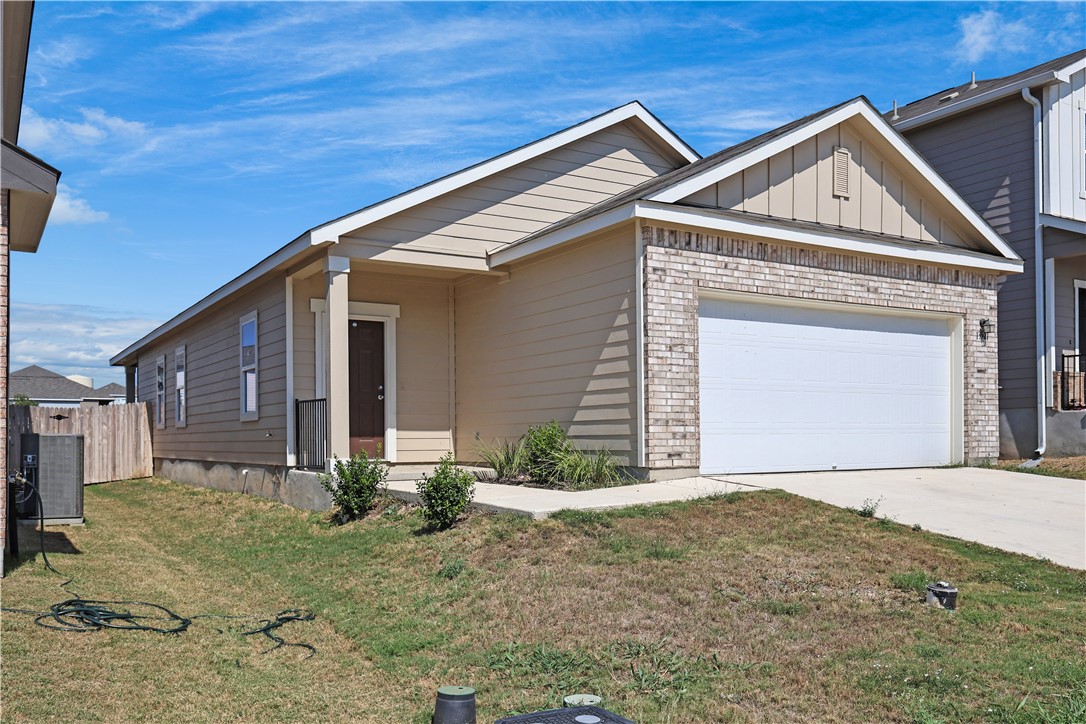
<point x="1059" y="222"/>
<point x="759" y="227"/>
<point x="858" y="107"/>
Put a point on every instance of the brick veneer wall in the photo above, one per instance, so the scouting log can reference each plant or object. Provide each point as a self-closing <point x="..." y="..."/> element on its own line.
<point x="678" y="263"/>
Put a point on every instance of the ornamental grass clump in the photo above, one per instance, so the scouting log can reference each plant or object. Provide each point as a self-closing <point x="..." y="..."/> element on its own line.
<point x="546" y="457"/>
<point x="445" y="495"/>
<point x="355" y="484"/>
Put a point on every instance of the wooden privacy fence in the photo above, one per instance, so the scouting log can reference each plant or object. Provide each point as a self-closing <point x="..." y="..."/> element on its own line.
<point x="116" y="438"/>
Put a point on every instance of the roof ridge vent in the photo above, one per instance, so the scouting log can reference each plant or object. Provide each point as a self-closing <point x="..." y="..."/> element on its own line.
<point x="949" y="97"/>
<point x="973" y="81"/>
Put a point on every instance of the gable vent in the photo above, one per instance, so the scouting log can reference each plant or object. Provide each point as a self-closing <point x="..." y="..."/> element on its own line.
<point x="841" y="157"/>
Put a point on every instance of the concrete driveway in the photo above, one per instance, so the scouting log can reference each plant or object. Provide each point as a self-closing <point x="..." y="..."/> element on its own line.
<point x="1033" y="514"/>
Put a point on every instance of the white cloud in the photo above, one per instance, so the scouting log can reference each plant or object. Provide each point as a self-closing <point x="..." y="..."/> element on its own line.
<point x="73" y="338"/>
<point x="63" y="52"/>
<point x="62" y="137"/>
<point x="70" y="209"/>
<point x="989" y="32"/>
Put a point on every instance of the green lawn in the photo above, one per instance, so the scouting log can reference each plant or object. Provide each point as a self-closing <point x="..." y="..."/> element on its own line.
<point x="747" y="607"/>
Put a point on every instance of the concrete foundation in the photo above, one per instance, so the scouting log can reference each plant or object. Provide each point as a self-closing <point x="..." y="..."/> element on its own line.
<point x="1018" y="433"/>
<point x="296" y="488"/>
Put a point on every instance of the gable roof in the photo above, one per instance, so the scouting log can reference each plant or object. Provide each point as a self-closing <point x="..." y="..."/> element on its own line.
<point x="331" y="230"/>
<point x="38" y="383"/>
<point x="328" y="233"/>
<point x="673" y="187"/>
<point x="966" y="96"/>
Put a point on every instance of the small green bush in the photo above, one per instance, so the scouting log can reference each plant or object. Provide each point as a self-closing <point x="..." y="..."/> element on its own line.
<point x="546" y="456"/>
<point x="355" y="484"/>
<point x="446" y="494"/>
<point x="545" y="447"/>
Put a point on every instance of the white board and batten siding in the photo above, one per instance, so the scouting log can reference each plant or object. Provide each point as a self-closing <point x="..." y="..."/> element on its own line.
<point x="1063" y="133"/>
<point x="554" y="342"/>
<point x="502" y="208"/>
<point x="214" y="431"/>
<point x="787" y="387"/>
<point x="799" y="183"/>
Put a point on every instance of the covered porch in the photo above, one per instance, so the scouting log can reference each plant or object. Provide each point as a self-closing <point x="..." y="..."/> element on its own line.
<point x="371" y="361"/>
<point x="1065" y="330"/>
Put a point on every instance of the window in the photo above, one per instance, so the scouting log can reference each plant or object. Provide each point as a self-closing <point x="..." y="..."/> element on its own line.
<point x="160" y="392"/>
<point x="250" y="388"/>
<point x="180" y="403"/>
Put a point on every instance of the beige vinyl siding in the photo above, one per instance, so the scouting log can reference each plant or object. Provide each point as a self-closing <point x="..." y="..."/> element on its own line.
<point x="555" y="341"/>
<point x="798" y="184"/>
<point x="424" y="431"/>
<point x="214" y="431"/>
<point x="502" y="208"/>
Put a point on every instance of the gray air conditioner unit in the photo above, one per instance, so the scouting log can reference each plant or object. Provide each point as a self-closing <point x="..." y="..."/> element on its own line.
<point x="54" y="465"/>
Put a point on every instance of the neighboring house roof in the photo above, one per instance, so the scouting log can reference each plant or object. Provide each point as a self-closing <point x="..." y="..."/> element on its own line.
<point x="110" y="390"/>
<point x="671" y="188"/>
<point x="968" y="95"/>
<point x="38" y="383"/>
<point x="328" y="233"/>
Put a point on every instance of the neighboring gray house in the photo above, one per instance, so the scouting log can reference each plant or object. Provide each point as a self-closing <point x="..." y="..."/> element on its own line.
<point x="809" y="299"/>
<point x="50" y="389"/>
<point x="1015" y="149"/>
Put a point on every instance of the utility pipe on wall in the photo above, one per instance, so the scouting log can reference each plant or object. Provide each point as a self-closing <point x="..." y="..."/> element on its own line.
<point x="1038" y="275"/>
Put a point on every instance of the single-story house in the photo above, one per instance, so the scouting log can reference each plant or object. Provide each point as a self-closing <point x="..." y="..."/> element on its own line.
<point x="814" y="298"/>
<point x="52" y="389"/>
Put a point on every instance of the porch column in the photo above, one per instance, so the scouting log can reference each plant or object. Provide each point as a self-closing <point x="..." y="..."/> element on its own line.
<point x="337" y="388"/>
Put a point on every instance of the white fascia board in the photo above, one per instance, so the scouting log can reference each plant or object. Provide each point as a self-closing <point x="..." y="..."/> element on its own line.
<point x="713" y="174"/>
<point x="1063" y="75"/>
<point x="1059" y="222"/>
<point x="332" y="230"/>
<point x="299" y="246"/>
<point x="729" y="168"/>
<point x="1041" y="79"/>
<point x="766" y="229"/>
<point x="591" y="225"/>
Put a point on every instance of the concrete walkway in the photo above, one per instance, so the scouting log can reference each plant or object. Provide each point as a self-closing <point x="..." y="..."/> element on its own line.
<point x="1032" y="514"/>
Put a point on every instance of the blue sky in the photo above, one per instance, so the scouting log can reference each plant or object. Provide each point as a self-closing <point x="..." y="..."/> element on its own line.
<point x="197" y="138"/>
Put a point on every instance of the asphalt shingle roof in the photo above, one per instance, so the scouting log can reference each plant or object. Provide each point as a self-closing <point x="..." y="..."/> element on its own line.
<point x="38" y="383"/>
<point x="932" y="102"/>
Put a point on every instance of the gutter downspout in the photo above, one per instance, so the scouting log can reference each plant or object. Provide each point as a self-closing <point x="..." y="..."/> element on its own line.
<point x="1038" y="276"/>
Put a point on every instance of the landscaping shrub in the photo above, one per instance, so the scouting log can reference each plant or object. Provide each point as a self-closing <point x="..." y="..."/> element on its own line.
<point x="546" y="456"/>
<point x="446" y="494"/>
<point x="545" y="448"/>
<point x="355" y="484"/>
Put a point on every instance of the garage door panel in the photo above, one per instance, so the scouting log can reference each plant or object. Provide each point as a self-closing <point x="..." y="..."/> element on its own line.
<point x="806" y="388"/>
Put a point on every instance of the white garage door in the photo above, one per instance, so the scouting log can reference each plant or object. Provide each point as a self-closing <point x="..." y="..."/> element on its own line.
<point x="788" y="387"/>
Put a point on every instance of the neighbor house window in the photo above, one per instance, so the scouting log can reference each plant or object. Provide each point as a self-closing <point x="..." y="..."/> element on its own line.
<point x="250" y="387"/>
<point x="180" y="402"/>
<point x="160" y="392"/>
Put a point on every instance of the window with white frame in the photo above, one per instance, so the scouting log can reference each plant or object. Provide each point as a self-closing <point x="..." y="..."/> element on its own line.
<point x="160" y="392"/>
<point x="180" y="400"/>
<point x="250" y="387"/>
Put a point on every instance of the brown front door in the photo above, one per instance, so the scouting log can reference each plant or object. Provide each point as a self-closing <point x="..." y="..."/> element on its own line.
<point x="366" y="355"/>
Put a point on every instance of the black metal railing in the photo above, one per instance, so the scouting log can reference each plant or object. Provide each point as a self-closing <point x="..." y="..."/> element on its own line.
<point x="1072" y="383"/>
<point x="311" y="432"/>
